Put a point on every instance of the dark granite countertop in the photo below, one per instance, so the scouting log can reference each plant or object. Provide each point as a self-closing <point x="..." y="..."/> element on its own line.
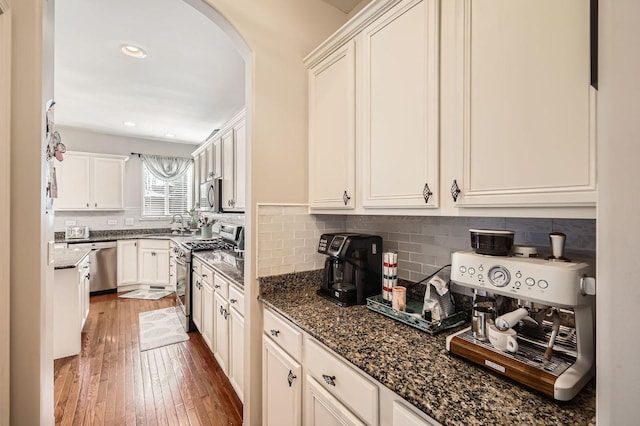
<point x="225" y="262"/>
<point x="68" y="258"/>
<point x="416" y="365"/>
<point x="116" y="234"/>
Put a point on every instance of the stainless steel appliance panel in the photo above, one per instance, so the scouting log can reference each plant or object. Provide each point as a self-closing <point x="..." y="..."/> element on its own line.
<point x="103" y="265"/>
<point x="183" y="292"/>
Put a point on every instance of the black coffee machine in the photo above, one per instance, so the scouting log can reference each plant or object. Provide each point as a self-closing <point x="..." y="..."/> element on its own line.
<point x="353" y="269"/>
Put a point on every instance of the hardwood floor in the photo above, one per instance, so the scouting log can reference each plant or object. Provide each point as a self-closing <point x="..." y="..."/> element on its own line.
<point x="112" y="383"/>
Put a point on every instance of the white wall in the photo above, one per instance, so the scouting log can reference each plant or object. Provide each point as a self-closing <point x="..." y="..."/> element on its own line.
<point x="31" y="275"/>
<point x="87" y="141"/>
<point x="618" y="348"/>
<point x="277" y="35"/>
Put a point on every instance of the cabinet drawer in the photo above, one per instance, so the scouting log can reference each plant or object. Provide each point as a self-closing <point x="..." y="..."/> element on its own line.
<point x="207" y="275"/>
<point x="221" y="286"/>
<point x="154" y="244"/>
<point x="236" y="299"/>
<point x="284" y="334"/>
<point x="196" y="266"/>
<point x="347" y="385"/>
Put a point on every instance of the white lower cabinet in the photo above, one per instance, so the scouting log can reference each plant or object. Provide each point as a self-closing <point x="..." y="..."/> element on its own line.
<point x="218" y="313"/>
<point x="70" y="308"/>
<point x="127" y="254"/>
<point x="281" y="386"/>
<point x="145" y="263"/>
<point x="333" y="391"/>
<point x="323" y="409"/>
<point x="208" y="314"/>
<point x="221" y="337"/>
<point x="236" y="341"/>
<point x="153" y="262"/>
<point x="196" y="300"/>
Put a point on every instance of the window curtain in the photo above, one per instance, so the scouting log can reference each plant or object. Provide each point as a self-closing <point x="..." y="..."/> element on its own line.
<point x="166" y="168"/>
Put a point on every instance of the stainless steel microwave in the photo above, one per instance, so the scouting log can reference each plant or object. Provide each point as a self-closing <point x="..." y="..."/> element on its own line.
<point x="211" y="195"/>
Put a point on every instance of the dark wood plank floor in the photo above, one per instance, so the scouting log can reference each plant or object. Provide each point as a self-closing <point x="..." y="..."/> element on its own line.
<point x="112" y="383"/>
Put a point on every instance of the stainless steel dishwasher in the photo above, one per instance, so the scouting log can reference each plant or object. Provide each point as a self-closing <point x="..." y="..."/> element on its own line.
<point x="103" y="265"/>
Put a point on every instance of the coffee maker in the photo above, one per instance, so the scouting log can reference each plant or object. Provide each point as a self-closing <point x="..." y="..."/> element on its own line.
<point x="533" y="319"/>
<point x="353" y="268"/>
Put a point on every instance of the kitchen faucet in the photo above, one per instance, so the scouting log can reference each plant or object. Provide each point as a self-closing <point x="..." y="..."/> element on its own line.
<point x="181" y="217"/>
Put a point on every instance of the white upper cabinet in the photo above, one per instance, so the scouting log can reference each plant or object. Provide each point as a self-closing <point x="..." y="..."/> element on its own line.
<point x="526" y="112"/>
<point x="494" y="95"/>
<point x="234" y="167"/>
<point x="398" y="95"/>
<point x="89" y="181"/>
<point x="332" y="137"/>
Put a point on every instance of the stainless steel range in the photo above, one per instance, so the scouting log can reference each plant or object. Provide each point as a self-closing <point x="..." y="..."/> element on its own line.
<point x="229" y="239"/>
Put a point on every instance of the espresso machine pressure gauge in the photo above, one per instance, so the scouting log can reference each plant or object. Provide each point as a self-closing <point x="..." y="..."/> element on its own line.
<point x="499" y="276"/>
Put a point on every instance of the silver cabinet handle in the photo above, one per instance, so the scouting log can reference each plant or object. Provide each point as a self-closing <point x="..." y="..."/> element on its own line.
<point x="275" y="333"/>
<point x="345" y="198"/>
<point x="426" y="193"/>
<point x="217" y="286"/>
<point x="330" y="380"/>
<point x="96" y="204"/>
<point x="233" y="301"/>
<point x="291" y="377"/>
<point x="455" y="190"/>
<point x="87" y="204"/>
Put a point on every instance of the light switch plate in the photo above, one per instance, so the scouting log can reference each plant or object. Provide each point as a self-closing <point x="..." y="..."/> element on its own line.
<point x="112" y="221"/>
<point x="69" y="223"/>
<point x="128" y="221"/>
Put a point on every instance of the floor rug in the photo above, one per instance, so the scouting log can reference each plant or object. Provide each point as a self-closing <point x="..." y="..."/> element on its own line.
<point x="146" y="294"/>
<point x="160" y="328"/>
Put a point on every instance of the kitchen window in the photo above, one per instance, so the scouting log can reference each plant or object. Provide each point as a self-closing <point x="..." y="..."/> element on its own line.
<point x="166" y="198"/>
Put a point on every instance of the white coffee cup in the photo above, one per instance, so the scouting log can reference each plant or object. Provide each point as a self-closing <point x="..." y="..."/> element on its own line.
<point x="503" y="340"/>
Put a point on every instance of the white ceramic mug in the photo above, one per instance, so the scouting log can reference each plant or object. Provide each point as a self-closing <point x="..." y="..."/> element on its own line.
<point x="503" y="340"/>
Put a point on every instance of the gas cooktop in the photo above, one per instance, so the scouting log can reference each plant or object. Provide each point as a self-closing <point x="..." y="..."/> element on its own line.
<point x="211" y="244"/>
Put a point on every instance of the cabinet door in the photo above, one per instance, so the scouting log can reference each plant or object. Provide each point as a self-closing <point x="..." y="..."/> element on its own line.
<point x="228" y="170"/>
<point x="208" y="315"/>
<point x="527" y="114"/>
<point x="332" y="131"/>
<point x="196" y="178"/>
<point x="236" y="352"/>
<point x="147" y="266"/>
<point x="323" y="409"/>
<point x="217" y="158"/>
<point x="240" y="161"/>
<point x="107" y="183"/>
<point x="172" y="267"/>
<point x="204" y="168"/>
<point x="400" y="93"/>
<point x="402" y="416"/>
<point x="127" y="254"/>
<point x="281" y="387"/>
<point x="208" y="153"/>
<point x="196" y="299"/>
<point x="162" y="267"/>
<point x="74" y="182"/>
<point x="221" y="335"/>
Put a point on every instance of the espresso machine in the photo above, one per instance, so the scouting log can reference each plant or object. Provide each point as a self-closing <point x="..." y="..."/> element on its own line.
<point x="353" y="268"/>
<point x="533" y="318"/>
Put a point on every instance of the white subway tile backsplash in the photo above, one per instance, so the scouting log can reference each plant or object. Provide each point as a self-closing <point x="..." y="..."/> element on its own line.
<point x="423" y="243"/>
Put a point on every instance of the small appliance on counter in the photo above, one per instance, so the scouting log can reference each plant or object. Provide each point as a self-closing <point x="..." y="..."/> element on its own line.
<point x="353" y="268"/>
<point x="533" y="318"/>
<point x="76" y="233"/>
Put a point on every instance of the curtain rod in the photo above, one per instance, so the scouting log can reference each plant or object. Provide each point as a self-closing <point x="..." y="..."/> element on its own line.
<point x="140" y="155"/>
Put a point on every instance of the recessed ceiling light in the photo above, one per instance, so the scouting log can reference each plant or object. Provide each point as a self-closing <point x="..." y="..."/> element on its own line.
<point x="129" y="123"/>
<point x="169" y="135"/>
<point x="133" y="51"/>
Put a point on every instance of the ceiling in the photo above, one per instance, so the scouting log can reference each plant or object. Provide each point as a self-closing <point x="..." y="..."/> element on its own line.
<point x="191" y="82"/>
